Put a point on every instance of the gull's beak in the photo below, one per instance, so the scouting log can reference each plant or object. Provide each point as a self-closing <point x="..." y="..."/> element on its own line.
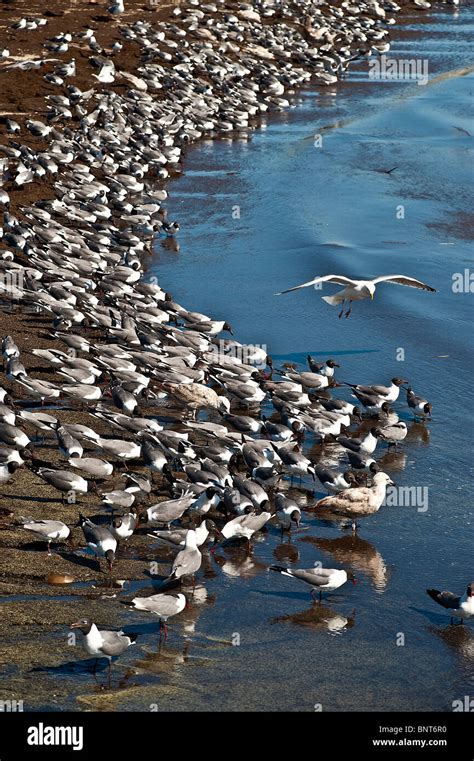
<point x="372" y="295"/>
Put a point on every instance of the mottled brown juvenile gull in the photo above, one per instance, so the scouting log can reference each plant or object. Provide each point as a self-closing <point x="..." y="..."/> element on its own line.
<point x="364" y="500"/>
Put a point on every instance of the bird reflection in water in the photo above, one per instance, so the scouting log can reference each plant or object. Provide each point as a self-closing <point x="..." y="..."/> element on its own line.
<point x="459" y="638"/>
<point x="418" y="432"/>
<point x="358" y="553"/>
<point x="237" y="563"/>
<point x="286" y="551"/>
<point x="393" y="461"/>
<point x="319" y="618"/>
<point x="170" y="244"/>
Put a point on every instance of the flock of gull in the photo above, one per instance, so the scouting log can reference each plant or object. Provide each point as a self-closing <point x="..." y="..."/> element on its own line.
<point x="126" y="355"/>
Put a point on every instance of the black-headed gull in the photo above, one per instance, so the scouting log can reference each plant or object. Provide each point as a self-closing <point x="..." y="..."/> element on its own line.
<point x="319" y="579"/>
<point x="419" y="406"/>
<point x="103" y="643"/>
<point x="356" y="290"/>
<point x="100" y="540"/>
<point x="163" y="605"/>
<point x="48" y="531"/>
<point x="378" y="393"/>
<point x="288" y="511"/>
<point x="458" y="606"/>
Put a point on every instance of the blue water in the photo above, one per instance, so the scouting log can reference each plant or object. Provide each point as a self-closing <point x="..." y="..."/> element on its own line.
<point x="264" y="214"/>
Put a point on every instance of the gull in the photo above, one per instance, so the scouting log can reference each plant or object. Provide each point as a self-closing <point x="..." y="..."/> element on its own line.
<point x="195" y="396"/>
<point x="211" y="327"/>
<point x="419" y="406"/>
<point x="356" y="290"/>
<point x="123" y="450"/>
<point x="92" y="465"/>
<point x="100" y="539"/>
<point x="7" y="415"/>
<point x="461" y="607"/>
<point x="62" y="480"/>
<point x="124" y="526"/>
<point x="288" y="512"/>
<point x="118" y="498"/>
<point x="48" y="531"/>
<point x="12" y="126"/>
<point x="82" y="392"/>
<point x="137" y="484"/>
<point x="100" y="642"/>
<point x="210" y="497"/>
<point x="366" y="445"/>
<point x="251" y="490"/>
<point x="333" y="481"/>
<point x="37" y="128"/>
<point x="168" y="511"/>
<point x="81" y="431"/>
<point x="319" y="579"/>
<point x="66" y="69"/>
<point x="393" y="433"/>
<point x="188" y="561"/>
<point x="69" y="446"/>
<point x="13" y="436"/>
<point x="379" y="394"/>
<point x="106" y="73"/>
<point x="312" y="380"/>
<point x="362" y="461"/>
<point x="163" y="605"/>
<point x="362" y="500"/>
<point x="9" y="454"/>
<point x="177" y="537"/>
<point x="244" y="526"/>
<point x="327" y="368"/>
<point x="279" y="432"/>
<point x="123" y="399"/>
<point x="294" y="462"/>
<point x="6" y="471"/>
<point x="243" y="423"/>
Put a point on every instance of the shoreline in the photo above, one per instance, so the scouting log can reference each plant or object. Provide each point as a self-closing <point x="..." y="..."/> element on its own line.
<point x="19" y="326"/>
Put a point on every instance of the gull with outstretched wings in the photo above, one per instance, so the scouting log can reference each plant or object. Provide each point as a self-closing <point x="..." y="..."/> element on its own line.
<point x="356" y="290"/>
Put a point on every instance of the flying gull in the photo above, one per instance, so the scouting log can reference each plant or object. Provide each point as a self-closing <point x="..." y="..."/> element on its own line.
<point x="356" y="290"/>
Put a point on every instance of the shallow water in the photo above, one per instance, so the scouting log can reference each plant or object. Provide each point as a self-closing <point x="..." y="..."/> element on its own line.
<point x="307" y="210"/>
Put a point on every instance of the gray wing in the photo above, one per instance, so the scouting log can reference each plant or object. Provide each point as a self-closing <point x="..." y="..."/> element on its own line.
<point x="380" y="390"/>
<point x="161" y="604"/>
<point x="446" y="599"/>
<point x="317" y="576"/>
<point x="96" y="534"/>
<point x="186" y="563"/>
<point x="253" y="521"/>
<point x="339" y="279"/>
<point x="43" y="526"/>
<point x="114" y="643"/>
<point x="174" y="537"/>
<point x="404" y="280"/>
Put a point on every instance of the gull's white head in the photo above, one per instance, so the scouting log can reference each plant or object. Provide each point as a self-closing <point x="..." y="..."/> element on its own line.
<point x="383" y="479"/>
<point x="371" y="289"/>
